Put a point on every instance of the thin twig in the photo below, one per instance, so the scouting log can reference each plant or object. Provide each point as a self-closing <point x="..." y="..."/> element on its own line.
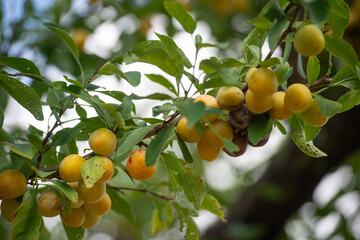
<point x="140" y="190"/>
<point x="323" y="81"/>
<point x="160" y="127"/>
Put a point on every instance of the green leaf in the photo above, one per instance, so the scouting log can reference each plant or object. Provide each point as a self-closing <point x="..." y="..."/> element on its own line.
<point x="310" y="131"/>
<point x="1" y="117"/>
<point x="184" y="150"/>
<point x="318" y="9"/>
<point x="172" y="162"/>
<point x="178" y="11"/>
<point x="349" y="100"/>
<point x="65" y="37"/>
<point x="92" y="170"/>
<point x="192" y="111"/>
<point x="260" y="126"/>
<point x="28" y="220"/>
<point x="194" y="187"/>
<point x="81" y="111"/>
<point x="327" y="107"/>
<point x="133" y="78"/>
<point x="280" y="127"/>
<point x="120" y="206"/>
<point x="65" y="135"/>
<point x="339" y="17"/>
<point x="131" y="139"/>
<point x="270" y="62"/>
<point x="313" y="69"/>
<point x="162" y="81"/>
<point x="25" y="150"/>
<point x="155" y="53"/>
<point x="21" y="64"/>
<point x="347" y="78"/>
<point x="298" y="136"/>
<point x="281" y="71"/>
<point x="211" y="204"/>
<point x="276" y="31"/>
<point x="74" y="233"/>
<point x="192" y="231"/>
<point x="23" y="94"/>
<point x="341" y="49"/>
<point x="69" y="192"/>
<point x="157" y="144"/>
<point x="110" y="69"/>
<point x="256" y="37"/>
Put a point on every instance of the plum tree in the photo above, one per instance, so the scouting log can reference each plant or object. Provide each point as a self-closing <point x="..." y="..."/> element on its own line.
<point x="12" y="184"/>
<point x="220" y="127"/>
<point x="309" y="41"/>
<point x="49" y="204"/>
<point x="263" y="82"/>
<point x="313" y="116"/>
<point x="136" y="167"/>
<point x="297" y="98"/>
<point x="100" y="207"/>
<point x="188" y="134"/>
<point x="103" y="142"/>
<point x="70" y="168"/>
<point x="230" y="98"/>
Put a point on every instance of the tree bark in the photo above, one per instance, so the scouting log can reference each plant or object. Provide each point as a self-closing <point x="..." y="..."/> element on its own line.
<point x="263" y="208"/>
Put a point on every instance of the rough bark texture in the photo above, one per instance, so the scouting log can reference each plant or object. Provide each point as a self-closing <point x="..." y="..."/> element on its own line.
<point x="288" y="183"/>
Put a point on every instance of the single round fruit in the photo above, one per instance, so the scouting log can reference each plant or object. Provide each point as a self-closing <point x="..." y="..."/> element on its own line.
<point x="188" y="134"/>
<point x="230" y="98"/>
<point x="279" y="110"/>
<point x="249" y="73"/>
<point x="313" y="116"/>
<point x="80" y="202"/>
<point x="49" y="204"/>
<point x="309" y="41"/>
<point x="8" y="209"/>
<point x="258" y="105"/>
<point x="223" y="128"/>
<point x="91" y="220"/>
<point x="206" y="151"/>
<point x="263" y="82"/>
<point x="103" y="142"/>
<point x="261" y="142"/>
<point x="209" y="101"/>
<point x="100" y="207"/>
<point x="109" y="170"/>
<point x="74" y="219"/>
<point x="137" y="168"/>
<point x="70" y="168"/>
<point x="297" y="98"/>
<point x="240" y="139"/>
<point x="239" y="118"/>
<point x="92" y="194"/>
<point x="12" y="184"/>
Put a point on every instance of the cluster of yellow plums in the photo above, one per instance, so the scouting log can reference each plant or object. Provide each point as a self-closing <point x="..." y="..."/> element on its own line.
<point x="261" y="96"/>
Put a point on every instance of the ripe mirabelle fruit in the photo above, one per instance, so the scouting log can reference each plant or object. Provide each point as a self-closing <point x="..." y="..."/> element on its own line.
<point x="8" y="209"/>
<point x="100" y="207"/>
<point x="223" y="128"/>
<point x="80" y="202"/>
<point x="313" y="116"/>
<point x="230" y="98"/>
<point x="91" y="220"/>
<point x="206" y="151"/>
<point x="109" y="170"/>
<point x="103" y="142"/>
<point x="70" y="168"/>
<point x="188" y="134"/>
<point x="263" y="82"/>
<point x="92" y="194"/>
<point x="209" y="101"/>
<point x="249" y="73"/>
<point x="12" y="184"/>
<point x="75" y="218"/>
<point x="279" y="110"/>
<point x="256" y="104"/>
<point x="137" y="168"/>
<point x="297" y="98"/>
<point x="49" y="204"/>
<point x="309" y="41"/>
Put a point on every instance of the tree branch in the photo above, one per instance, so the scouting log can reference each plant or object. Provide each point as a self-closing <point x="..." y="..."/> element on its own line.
<point x="140" y="190"/>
